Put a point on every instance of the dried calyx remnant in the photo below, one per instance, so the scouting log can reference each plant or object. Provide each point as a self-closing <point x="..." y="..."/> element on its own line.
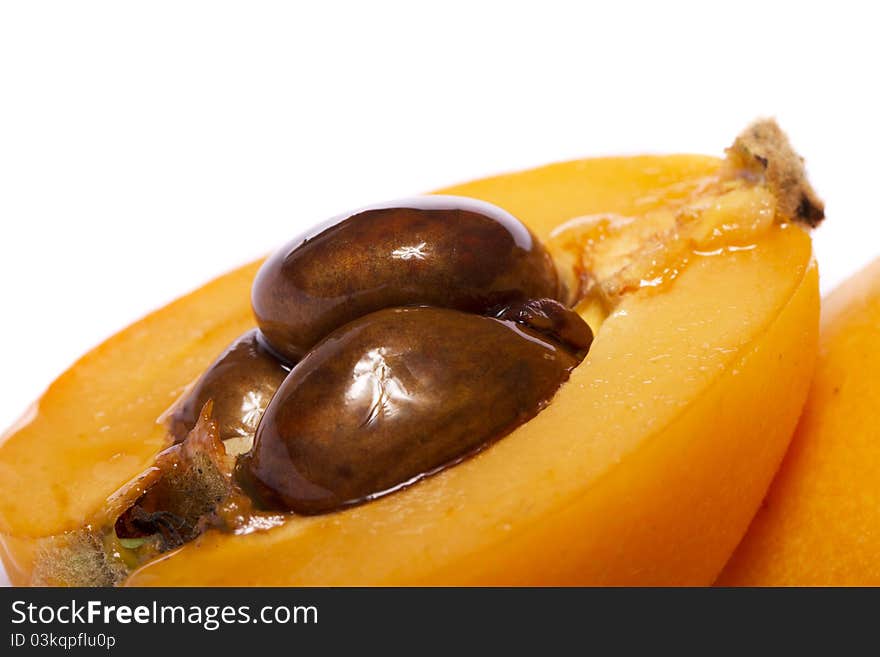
<point x="762" y="181"/>
<point x="188" y="489"/>
<point x="384" y="336"/>
<point x="764" y="150"/>
<point x="193" y="483"/>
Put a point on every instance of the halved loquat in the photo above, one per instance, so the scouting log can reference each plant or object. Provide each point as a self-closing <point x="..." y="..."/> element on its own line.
<point x="646" y="467"/>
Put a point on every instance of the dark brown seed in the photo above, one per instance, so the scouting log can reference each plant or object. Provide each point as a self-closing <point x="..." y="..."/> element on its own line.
<point x="445" y="251"/>
<point x="240" y="383"/>
<point x="553" y="319"/>
<point x="394" y="396"/>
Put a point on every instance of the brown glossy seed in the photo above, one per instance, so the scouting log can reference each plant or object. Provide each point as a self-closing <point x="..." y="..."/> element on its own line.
<point x="444" y="251"/>
<point x="240" y="382"/>
<point x="391" y="397"/>
<point x="553" y="319"/>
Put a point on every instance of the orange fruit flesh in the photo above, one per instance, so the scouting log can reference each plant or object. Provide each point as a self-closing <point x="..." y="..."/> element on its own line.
<point x="646" y="468"/>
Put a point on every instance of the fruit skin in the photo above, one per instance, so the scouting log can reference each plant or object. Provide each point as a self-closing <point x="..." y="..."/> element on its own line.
<point x="820" y="522"/>
<point x="645" y="469"/>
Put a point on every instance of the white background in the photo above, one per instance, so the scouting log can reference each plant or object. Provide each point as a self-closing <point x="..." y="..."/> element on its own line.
<point x="147" y="147"/>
